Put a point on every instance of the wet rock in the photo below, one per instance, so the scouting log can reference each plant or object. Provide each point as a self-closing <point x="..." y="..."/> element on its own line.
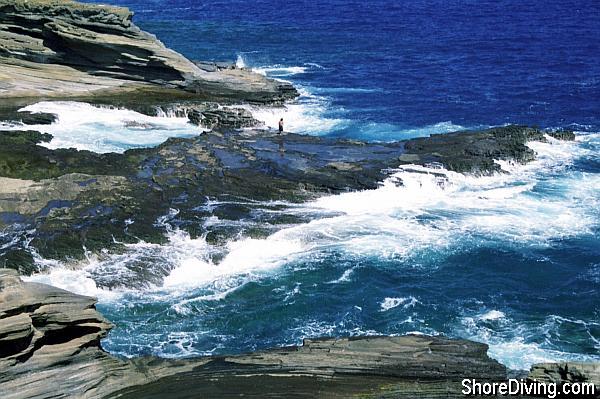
<point x="565" y="135"/>
<point x="21" y="157"/>
<point x="475" y="151"/>
<point x="19" y="259"/>
<point x="345" y="166"/>
<point x="25" y="117"/>
<point x="213" y="116"/>
<point x="73" y="199"/>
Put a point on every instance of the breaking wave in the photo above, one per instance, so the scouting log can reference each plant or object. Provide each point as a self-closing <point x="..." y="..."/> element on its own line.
<point x="416" y="216"/>
<point x="101" y="129"/>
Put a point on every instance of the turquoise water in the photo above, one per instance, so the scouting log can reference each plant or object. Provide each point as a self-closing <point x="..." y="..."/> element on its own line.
<point x="511" y="260"/>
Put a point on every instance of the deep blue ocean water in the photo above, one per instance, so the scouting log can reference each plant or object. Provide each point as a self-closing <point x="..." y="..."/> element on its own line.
<point x="513" y="260"/>
<point x="409" y="64"/>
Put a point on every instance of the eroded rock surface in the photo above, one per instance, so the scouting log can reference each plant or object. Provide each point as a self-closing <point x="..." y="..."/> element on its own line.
<point x="49" y="348"/>
<point x="567" y="372"/>
<point x="410" y="366"/>
<point x="52" y="48"/>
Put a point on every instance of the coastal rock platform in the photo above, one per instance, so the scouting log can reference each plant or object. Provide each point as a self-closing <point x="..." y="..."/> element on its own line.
<point x="65" y="49"/>
<point x="77" y="201"/>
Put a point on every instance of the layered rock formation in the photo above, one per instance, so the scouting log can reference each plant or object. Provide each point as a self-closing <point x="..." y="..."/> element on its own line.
<point x="61" y="48"/>
<point x="380" y="367"/>
<point x="567" y="373"/>
<point x="49" y="347"/>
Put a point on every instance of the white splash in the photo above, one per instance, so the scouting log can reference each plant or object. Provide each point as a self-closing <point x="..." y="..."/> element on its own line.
<point x="344" y="278"/>
<point x="391" y="303"/>
<point x="492" y="315"/>
<point x="100" y="129"/>
<point x="240" y="62"/>
<point x="280" y="71"/>
<point x="306" y="115"/>
<point x="73" y="280"/>
<point x="415" y="209"/>
<point x="510" y="341"/>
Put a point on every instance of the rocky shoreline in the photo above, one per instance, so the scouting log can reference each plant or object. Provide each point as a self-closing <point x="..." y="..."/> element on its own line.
<point x="121" y="196"/>
<point x="65" y="49"/>
<point x="50" y="347"/>
<point x="63" y="204"/>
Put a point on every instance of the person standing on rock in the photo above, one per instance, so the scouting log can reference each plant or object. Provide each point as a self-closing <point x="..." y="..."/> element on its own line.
<point x="280" y="126"/>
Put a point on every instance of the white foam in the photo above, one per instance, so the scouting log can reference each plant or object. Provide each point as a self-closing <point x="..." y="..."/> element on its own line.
<point x="86" y="127"/>
<point x="492" y="315"/>
<point x="504" y="206"/>
<point x="244" y="256"/>
<point x="345" y="277"/>
<point x="72" y="280"/>
<point x="415" y="209"/>
<point x="280" y="70"/>
<point x="391" y="303"/>
<point x="520" y="355"/>
<point x="517" y="345"/>
<point x="306" y="115"/>
<point x="387" y="132"/>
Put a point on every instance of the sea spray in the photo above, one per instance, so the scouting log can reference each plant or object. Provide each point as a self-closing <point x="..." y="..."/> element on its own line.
<point x="345" y="272"/>
<point x="106" y="129"/>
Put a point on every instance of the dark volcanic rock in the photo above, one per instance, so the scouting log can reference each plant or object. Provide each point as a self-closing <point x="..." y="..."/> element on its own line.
<point x="71" y="199"/>
<point x="566" y="135"/>
<point x="476" y="151"/>
<point x="22" y="158"/>
<point x="27" y="118"/>
<point x="214" y="116"/>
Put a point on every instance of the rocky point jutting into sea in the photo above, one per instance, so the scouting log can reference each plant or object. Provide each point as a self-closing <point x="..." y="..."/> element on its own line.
<point x="72" y="204"/>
